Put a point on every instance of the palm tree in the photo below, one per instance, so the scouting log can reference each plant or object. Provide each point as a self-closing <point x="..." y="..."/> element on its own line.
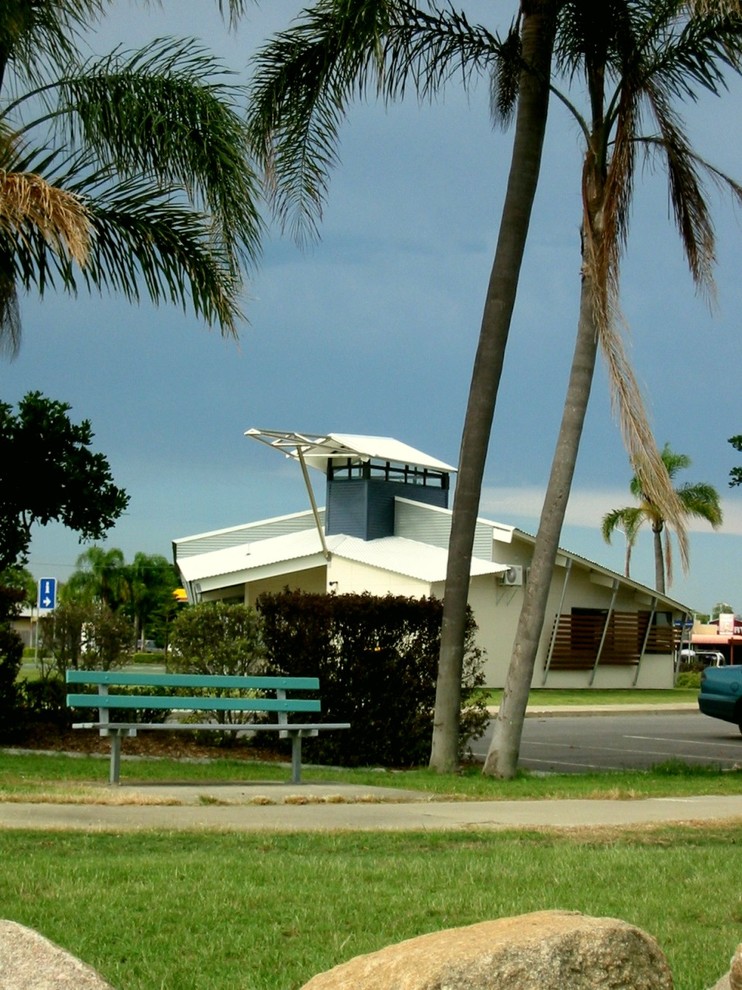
<point x="638" y="57"/>
<point x="305" y="78"/>
<point x="99" y="576"/>
<point x="150" y="582"/>
<point x="628" y="521"/>
<point x="700" y="501"/>
<point x="127" y="173"/>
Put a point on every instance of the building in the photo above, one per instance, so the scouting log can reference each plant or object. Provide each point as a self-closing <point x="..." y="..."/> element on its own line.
<point x="722" y="636"/>
<point x="385" y="528"/>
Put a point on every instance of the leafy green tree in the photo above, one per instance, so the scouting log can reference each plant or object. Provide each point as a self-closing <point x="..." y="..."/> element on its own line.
<point x="20" y="579"/>
<point x="700" y="501"/>
<point x="60" y="637"/>
<point x="127" y="173"/>
<point x="306" y="77"/>
<point x="636" y="62"/>
<point x="721" y="608"/>
<point x="49" y="473"/>
<point x="735" y="475"/>
<point x="85" y="634"/>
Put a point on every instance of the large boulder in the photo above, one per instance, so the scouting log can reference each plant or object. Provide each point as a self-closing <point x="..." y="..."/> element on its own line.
<point x="733" y="979"/>
<point x="547" y="950"/>
<point x="28" y="961"/>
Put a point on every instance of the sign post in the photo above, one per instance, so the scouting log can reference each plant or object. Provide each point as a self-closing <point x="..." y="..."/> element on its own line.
<point x="47" y="594"/>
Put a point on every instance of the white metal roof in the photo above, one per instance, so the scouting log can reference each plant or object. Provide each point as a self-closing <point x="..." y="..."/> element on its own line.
<point x="317" y="450"/>
<point x="390" y="553"/>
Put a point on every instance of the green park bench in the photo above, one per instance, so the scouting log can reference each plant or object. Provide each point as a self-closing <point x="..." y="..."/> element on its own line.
<point x="246" y="694"/>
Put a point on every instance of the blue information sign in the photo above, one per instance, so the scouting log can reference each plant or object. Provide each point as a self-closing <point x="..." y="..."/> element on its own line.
<point x="47" y="593"/>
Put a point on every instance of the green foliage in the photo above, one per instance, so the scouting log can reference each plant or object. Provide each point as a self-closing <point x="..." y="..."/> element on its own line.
<point x="20" y="579"/>
<point x="43" y="701"/>
<point x="689" y="679"/>
<point x="735" y="475"/>
<point x="721" y="608"/>
<point x="699" y="500"/>
<point x="49" y="473"/>
<point x="376" y="658"/>
<point x="98" y="576"/>
<point x="217" y="638"/>
<point x="11" y="657"/>
<point x="151" y="580"/>
<point x="129" y="172"/>
<point x="141" y="590"/>
<point x="11" y="651"/>
<point x="79" y="635"/>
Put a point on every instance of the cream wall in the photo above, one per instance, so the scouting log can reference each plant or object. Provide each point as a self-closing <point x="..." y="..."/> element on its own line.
<point x="312" y="580"/>
<point x="355" y="578"/>
<point x="496" y="609"/>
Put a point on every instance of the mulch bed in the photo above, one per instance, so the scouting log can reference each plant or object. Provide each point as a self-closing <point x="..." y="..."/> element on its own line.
<point x="172" y="745"/>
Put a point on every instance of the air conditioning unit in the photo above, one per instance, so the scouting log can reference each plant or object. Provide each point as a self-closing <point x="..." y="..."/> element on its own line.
<point x="513" y="576"/>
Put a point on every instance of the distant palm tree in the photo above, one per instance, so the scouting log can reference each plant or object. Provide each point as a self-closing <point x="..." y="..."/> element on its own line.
<point x="127" y="173"/>
<point x="99" y="576"/>
<point x="700" y="501"/>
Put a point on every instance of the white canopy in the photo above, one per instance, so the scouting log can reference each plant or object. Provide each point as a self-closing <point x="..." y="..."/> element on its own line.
<point x="317" y="450"/>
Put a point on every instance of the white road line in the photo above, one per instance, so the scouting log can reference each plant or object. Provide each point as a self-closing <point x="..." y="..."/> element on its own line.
<point x="688" y="742"/>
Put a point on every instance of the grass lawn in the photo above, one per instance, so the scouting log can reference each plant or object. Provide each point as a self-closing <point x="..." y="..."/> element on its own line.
<point x="601" y="696"/>
<point x="205" y="911"/>
<point x="61" y="777"/>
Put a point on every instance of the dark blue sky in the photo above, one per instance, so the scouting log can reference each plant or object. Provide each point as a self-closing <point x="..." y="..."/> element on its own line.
<point x="373" y="330"/>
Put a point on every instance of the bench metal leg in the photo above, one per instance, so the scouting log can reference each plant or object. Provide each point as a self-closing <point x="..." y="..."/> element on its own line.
<point x="295" y="757"/>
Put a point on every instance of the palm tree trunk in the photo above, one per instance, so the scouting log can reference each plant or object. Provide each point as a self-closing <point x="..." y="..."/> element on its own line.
<point x="659" y="560"/>
<point x="537" y="38"/>
<point x="502" y="758"/>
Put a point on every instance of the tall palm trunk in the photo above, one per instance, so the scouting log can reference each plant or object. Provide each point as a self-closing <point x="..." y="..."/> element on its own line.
<point x="537" y="37"/>
<point x="502" y="757"/>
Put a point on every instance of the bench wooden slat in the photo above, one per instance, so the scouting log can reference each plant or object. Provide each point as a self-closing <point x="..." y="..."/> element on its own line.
<point x="231" y="681"/>
<point x="202" y="703"/>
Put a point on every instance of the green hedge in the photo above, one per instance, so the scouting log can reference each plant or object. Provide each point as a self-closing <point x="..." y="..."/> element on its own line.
<point x="376" y="658"/>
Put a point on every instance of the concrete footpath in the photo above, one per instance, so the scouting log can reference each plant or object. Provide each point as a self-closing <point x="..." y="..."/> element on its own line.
<point x="317" y="807"/>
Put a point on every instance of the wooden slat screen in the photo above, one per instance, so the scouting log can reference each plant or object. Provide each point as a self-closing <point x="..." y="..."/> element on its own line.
<point x="578" y="636"/>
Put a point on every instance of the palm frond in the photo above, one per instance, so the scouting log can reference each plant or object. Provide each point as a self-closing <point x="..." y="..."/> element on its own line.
<point x="159" y="111"/>
<point x="10" y="316"/>
<point x="645" y="458"/>
<point x="142" y="241"/>
<point x="687" y="195"/>
<point x="627" y="519"/>
<point x="36" y="37"/>
<point x="307" y="75"/>
<point x="28" y="201"/>
<point x="702" y="501"/>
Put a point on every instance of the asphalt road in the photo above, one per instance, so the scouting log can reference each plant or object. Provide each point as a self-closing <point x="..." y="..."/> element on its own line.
<point x="574" y="744"/>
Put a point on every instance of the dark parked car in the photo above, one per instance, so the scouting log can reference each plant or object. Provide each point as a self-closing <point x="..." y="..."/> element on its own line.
<point x="721" y="693"/>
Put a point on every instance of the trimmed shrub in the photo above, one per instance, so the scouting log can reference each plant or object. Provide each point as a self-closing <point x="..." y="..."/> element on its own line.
<point x="377" y="659"/>
<point x="11" y="658"/>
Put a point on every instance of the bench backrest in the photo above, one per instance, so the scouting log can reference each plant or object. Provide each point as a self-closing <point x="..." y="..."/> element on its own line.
<point x="105" y="698"/>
